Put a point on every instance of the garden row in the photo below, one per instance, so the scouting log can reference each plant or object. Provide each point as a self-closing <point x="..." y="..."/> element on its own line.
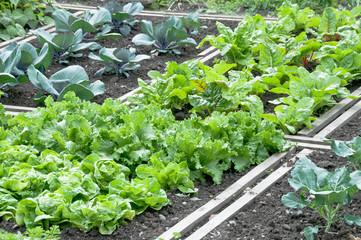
<point x="74" y="34"/>
<point x="72" y="160"/>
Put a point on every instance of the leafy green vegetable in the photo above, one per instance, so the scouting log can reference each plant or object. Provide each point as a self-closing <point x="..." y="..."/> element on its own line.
<point x="33" y="233"/>
<point x="308" y="92"/>
<point x="331" y="190"/>
<point x="96" y="166"/>
<point x="64" y="45"/>
<point x="166" y="36"/>
<point x="350" y="149"/>
<point x="104" y="212"/>
<point x="205" y="88"/>
<point x="119" y="15"/>
<point x="18" y="15"/>
<point x="9" y="57"/>
<point x="169" y="174"/>
<point x="291" y="118"/>
<point x="73" y="78"/>
<point x="17" y="59"/>
<point x="191" y="23"/>
<point x="118" y="60"/>
<point x="237" y="45"/>
<point x="92" y="22"/>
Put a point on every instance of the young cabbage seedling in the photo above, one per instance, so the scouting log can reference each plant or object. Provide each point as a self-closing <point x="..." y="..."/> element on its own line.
<point x="119" y="15"/>
<point x="118" y="60"/>
<point x="93" y="21"/>
<point x="15" y="60"/>
<point x="64" y="45"/>
<point x="331" y="190"/>
<point x="73" y="78"/>
<point x="191" y="23"/>
<point x="166" y="37"/>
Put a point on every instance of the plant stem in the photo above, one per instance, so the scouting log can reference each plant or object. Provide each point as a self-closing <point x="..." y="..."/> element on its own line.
<point x="311" y="55"/>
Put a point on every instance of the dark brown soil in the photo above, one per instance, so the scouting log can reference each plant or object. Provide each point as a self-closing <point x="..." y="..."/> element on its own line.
<point x="23" y="94"/>
<point x="349" y="130"/>
<point x="268" y="218"/>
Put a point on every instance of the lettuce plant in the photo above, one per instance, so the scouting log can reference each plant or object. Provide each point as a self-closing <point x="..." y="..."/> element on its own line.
<point x="73" y="78"/>
<point x="166" y="36"/>
<point x="331" y="190"/>
<point x="119" y="15"/>
<point x="118" y="60"/>
<point x="64" y="45"/>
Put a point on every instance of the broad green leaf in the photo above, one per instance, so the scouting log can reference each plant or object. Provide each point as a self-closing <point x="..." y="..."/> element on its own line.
<point x="292" y="201"/>
<point x="310" y="231"/>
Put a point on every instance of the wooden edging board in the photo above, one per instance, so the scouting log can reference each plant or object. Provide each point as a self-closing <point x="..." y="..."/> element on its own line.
<point x="226" y="196"/>
<point x="166" y="14"/>
<point x="331" y="114"/>
<point x="304" y="139"/>
<point x="246" y="199"/>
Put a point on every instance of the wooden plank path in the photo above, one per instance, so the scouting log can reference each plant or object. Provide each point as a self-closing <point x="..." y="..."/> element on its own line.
<point x="226" y="196"/>
<point x="246" y="199"/>
<point x="146" y="13"/>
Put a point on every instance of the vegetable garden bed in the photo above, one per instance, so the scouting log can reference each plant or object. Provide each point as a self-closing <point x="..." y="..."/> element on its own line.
<point x="113" y="150"/>
<point x="23" y="94"/>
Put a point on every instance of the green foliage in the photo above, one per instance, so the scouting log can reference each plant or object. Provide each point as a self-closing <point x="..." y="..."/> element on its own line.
<point x="166" y="36"/>
<point x="37" y="233"/>
<point x="118" y="60"/>
<point x="191" y="23"/>
<point x="18" y="15"/>
<point x="15" y="60"/>
<point x="331" y="190"/>
<point x="92" y="21"/>
<point x="73" y="78"/>
<point x="119" y="15"/>
<point x="96" y="166"/>
<point x="237" y="45"/>
<point x="350" y="149"/>
<point x="64" y="45"/>
<point x="312" y="67"/>
<point x="290" y="118"/>
<point x="206" y="89"/>
<point x="40" y="233"/>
